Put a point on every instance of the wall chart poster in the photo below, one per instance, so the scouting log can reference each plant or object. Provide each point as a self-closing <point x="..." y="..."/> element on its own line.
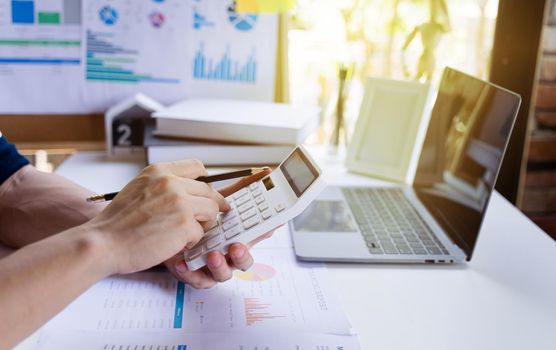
<point x="68" y="56"/>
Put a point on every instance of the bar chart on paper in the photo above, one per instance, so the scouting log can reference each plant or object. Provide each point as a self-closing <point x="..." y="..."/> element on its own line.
<point x="39" y="32"/>
<point x="257" y="310"/>
<point x="230" y="54"/>
<point x="133" y="46"/>
<point x="124" y="40"/>
<point x="273" y="294"/>
<point x="226" y="68"/>
<point x="108" y="61"/>
<point x="39" y="41"/>
<point x="45" y="12"/>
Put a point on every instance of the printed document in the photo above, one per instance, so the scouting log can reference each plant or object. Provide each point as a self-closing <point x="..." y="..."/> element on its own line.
<point x="279" y="303"/>
<point x="231" y="55"/>
<point x="40" y="56"/>
<point x="86" y="340"/>
<point x="277" y="293"/>
<point x="134" y="46"/>
<point x="82" y="56"/>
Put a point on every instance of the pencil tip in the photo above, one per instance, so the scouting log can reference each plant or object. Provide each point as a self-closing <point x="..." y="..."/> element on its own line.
<point x="94" y="198"/>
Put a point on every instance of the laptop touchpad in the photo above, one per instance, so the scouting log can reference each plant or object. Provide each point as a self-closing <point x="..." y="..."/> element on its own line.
<point x="325" y="216"/>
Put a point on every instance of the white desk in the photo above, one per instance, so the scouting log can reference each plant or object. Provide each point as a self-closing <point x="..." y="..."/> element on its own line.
<point x="505" y="298"/>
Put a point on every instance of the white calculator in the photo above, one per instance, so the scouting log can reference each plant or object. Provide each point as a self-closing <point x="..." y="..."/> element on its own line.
<point x="262" y="206"/>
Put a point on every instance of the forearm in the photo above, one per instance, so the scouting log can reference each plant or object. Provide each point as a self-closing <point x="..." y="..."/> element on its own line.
<point x="35" y="205"/>
<point x="39" y="280"/>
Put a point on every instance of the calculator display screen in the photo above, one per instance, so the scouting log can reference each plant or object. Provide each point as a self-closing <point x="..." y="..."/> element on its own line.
<point x="299" y="172"/>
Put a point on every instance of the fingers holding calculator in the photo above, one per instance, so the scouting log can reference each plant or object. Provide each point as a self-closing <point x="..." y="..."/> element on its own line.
<point x="218" y="268"/>
<point x="260" y="207"/>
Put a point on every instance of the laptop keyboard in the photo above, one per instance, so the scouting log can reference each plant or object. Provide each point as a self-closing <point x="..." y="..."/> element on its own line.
<point x="389" y="223"/>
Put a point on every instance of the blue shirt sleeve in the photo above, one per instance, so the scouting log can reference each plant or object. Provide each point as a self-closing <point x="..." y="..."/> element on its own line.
<point x="10" y="160"/>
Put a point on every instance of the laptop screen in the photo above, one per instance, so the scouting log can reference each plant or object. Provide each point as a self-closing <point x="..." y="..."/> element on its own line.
<point x="470" y="126"/>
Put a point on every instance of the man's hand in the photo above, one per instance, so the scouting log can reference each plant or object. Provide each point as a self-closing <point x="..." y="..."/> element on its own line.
<point x="156" y="215"/>
<point x="219" y="267"/>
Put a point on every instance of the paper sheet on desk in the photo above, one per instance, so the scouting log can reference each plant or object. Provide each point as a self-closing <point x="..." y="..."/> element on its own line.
<point x="278" y="304"/>
<point x="277" y="295"/>
<point x="87" y="340"/>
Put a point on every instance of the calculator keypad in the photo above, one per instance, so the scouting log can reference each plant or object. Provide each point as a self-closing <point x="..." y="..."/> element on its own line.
<point x="248" y="208"/>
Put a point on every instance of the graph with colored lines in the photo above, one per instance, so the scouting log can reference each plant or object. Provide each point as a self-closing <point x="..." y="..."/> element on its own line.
<point x="108" y="61"/>
<point x="131" y="46"/>
<point x="232" y="55"/>
<point x="132" y="311"/>
<point x="257" y="272"/>
<point x="40" y="41"/>
<point x="257" y="311"/>
<point x="226" y="68"/>
<point x="40" y="32"/>
<point x="45" y="12"/>
<point x="275" y="293"/>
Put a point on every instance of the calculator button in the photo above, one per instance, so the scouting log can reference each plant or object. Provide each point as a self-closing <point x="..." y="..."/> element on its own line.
<point x="259" y="199"/>
<point x="240" y="193"/>
<point x="263" y="206"/>
<point x="247" y="224"/>
<point x="243" y="208"/>
<point x="242" y="200"/>
<point x="266" y="214"/>
<point x="251" y="212"/>
<point x="228" y="216"/>
<point x="229" y="224"/>
<point x="253" y="186"/>
<point x="279" y="207"/>
<point x="256" y="192"/>
<point x="234" y="231"/>
<point x="195" y="252"/>
<point x="213" y="231"/>
<point x="214" y="241"/>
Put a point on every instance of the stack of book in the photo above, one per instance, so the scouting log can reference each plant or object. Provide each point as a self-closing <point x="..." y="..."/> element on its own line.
<point x="229" y="132"/>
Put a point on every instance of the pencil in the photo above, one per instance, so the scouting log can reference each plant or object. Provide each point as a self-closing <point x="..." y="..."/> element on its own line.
<point x="207" y="179"/>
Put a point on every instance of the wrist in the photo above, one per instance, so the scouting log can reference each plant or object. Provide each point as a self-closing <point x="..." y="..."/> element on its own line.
<point x="92" y="246"/>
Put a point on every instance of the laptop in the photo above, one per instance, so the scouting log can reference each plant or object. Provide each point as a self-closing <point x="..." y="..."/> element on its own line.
<point x="438" y="218"/>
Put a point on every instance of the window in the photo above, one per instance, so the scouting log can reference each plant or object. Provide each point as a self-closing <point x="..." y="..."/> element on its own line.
<point x="369" y="36"/>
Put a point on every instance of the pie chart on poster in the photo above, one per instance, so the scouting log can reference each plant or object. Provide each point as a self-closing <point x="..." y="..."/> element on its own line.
<point x="241" y="21"/>
<point x="108" y="15"/>
<point x="257" y="273"/>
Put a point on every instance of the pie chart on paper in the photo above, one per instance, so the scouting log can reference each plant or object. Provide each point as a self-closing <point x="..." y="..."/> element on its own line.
<point x="241" y="21"/>
<point x="108" y="15"/>
<point x="257" y="273"/>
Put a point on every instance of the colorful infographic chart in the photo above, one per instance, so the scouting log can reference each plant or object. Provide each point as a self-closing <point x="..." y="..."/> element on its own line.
<point x="133" y="46"/>
<point x="279" y="304"/>
<point x="40" y="52"/>
<point x="82" y="56"/>
<point x="258" y="272"/>
<point x="233" y="54"/>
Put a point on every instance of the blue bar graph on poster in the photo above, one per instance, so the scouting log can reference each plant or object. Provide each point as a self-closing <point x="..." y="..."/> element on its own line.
<point x="23" y="11"/>
<point x="178" y="311"/>
<point x="226" y="69"/>
<point x="107" y="62"/>
<point x="56" y="61"/>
